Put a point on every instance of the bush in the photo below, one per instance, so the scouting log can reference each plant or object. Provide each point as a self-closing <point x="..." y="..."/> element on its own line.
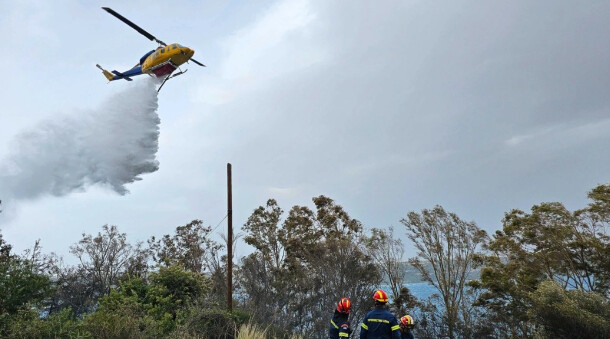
<point x="574" y="313"/>
<point x="29" y="324"/>
<point x="118" y="316"/>
<point x="208" y="323"/>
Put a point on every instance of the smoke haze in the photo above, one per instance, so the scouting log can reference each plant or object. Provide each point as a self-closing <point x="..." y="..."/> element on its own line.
<point x="111" y="146"/>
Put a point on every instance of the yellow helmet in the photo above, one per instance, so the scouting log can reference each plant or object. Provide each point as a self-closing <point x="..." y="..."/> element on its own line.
<point x="407" y="320"/>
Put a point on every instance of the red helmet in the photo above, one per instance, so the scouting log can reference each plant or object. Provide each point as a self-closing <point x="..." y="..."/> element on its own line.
<point x="407" y="320"/>
<point x="344" y="305"/>
<point x="380" y="296"/>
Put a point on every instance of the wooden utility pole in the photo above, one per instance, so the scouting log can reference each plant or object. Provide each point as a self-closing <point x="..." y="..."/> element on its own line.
<point x="229" y="241"/>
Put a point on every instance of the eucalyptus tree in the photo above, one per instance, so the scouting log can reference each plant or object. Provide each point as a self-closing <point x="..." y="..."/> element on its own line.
<point x="448" y="246"/>
<point x="303" y="264"/>
<point x="550" y="243"/>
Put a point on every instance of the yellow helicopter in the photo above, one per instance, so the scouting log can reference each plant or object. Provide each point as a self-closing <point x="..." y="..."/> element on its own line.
<point x="160" y="63"/>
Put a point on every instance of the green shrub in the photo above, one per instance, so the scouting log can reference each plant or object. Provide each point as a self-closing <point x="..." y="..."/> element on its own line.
<point x="573" y="314"/>
<point x="29" y="324"/>
<point x="118" y="316"/>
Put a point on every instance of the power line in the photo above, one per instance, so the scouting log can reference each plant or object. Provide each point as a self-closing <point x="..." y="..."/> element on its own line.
<point x="223" y="219"/>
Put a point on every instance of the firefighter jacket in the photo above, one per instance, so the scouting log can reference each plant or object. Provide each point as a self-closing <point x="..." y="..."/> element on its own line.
<point x="380" y="324"/>
<point x="339" y="326"/>
<point x="407" y="335"/>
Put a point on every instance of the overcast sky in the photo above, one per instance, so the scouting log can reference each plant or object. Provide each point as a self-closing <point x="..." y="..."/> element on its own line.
<point x="386" y="107"/>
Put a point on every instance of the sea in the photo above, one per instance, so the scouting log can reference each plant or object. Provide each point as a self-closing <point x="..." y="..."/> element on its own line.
<point x="420" y="290"/>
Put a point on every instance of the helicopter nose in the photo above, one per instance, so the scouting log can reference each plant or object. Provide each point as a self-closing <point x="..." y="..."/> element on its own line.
<point x="187" y="51"/>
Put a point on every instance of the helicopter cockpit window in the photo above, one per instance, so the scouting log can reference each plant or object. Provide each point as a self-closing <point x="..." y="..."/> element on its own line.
<point x="162" y="50"/>
<point x="174" y="46"/>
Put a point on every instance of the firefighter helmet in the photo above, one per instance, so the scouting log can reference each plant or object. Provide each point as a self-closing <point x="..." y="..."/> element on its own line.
<point x="380" y="296"/>
<point x="344" y="305"/>
<point x="407" y="320"/>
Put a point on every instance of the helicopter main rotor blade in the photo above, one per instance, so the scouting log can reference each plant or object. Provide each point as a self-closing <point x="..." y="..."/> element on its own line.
<point x="134" y="26"/>
<point x="197" y="62"/>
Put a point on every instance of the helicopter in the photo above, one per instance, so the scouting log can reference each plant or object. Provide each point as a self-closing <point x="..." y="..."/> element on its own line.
<point x="159" y="63"/>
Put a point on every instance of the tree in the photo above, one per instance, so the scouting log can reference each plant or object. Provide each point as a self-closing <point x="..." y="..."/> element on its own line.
<point x="104" y="258"/>
<point x="190" y="247"/>
<point x="79" y="287"/>
<point x="5" y="251"/>
<point x="264" y="233"/>
<point x="22" y="287"/>
<point x="303" y="265"/>
<point x="550" y="243"/>
<point x="173" y="289"/>
<point x="388" y="253"/>
<point x="40" y="263"/>
<point x="75" y="289"/>
<point x="592" y="245"/>
<point x="449" y="245"/>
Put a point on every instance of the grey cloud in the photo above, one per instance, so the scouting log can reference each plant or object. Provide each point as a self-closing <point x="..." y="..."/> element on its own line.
<point x="410" y="80"/>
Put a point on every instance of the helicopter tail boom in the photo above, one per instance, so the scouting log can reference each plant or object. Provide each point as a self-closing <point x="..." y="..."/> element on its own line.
<point x="116" y="75"/>
<point x="107" y="74"/>
<point x="119" y="75"/>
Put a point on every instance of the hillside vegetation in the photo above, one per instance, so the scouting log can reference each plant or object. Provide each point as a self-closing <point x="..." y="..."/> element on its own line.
<point x="544" y="274"/>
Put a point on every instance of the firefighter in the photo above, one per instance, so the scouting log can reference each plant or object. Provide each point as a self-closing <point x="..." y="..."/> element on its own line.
<point x="406" y="325"/>
<point x="379" y="323"/>
<point x="339" y="325"/>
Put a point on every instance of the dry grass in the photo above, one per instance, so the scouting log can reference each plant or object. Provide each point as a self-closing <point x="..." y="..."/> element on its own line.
<point x="249" y="331"/>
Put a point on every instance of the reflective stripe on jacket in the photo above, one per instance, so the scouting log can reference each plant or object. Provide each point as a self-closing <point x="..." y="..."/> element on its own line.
<point x="339" y="327"/>
<point x="380" y="324"/>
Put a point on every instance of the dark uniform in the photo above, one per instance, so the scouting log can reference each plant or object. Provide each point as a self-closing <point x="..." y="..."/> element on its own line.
<point x="339" y="326"/>
<point x="380" y="324"/>
<point x="407" y="335"/>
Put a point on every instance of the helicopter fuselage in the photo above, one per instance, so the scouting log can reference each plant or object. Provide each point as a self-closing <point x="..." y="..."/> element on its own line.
<point x="164" y="60"/>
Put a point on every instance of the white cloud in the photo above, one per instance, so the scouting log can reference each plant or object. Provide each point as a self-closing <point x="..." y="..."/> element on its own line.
<point x="536" y="134"/>
<point x="251" y="51"/>
<point x="277" y="43"/>
<point x="563" y="134"/>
